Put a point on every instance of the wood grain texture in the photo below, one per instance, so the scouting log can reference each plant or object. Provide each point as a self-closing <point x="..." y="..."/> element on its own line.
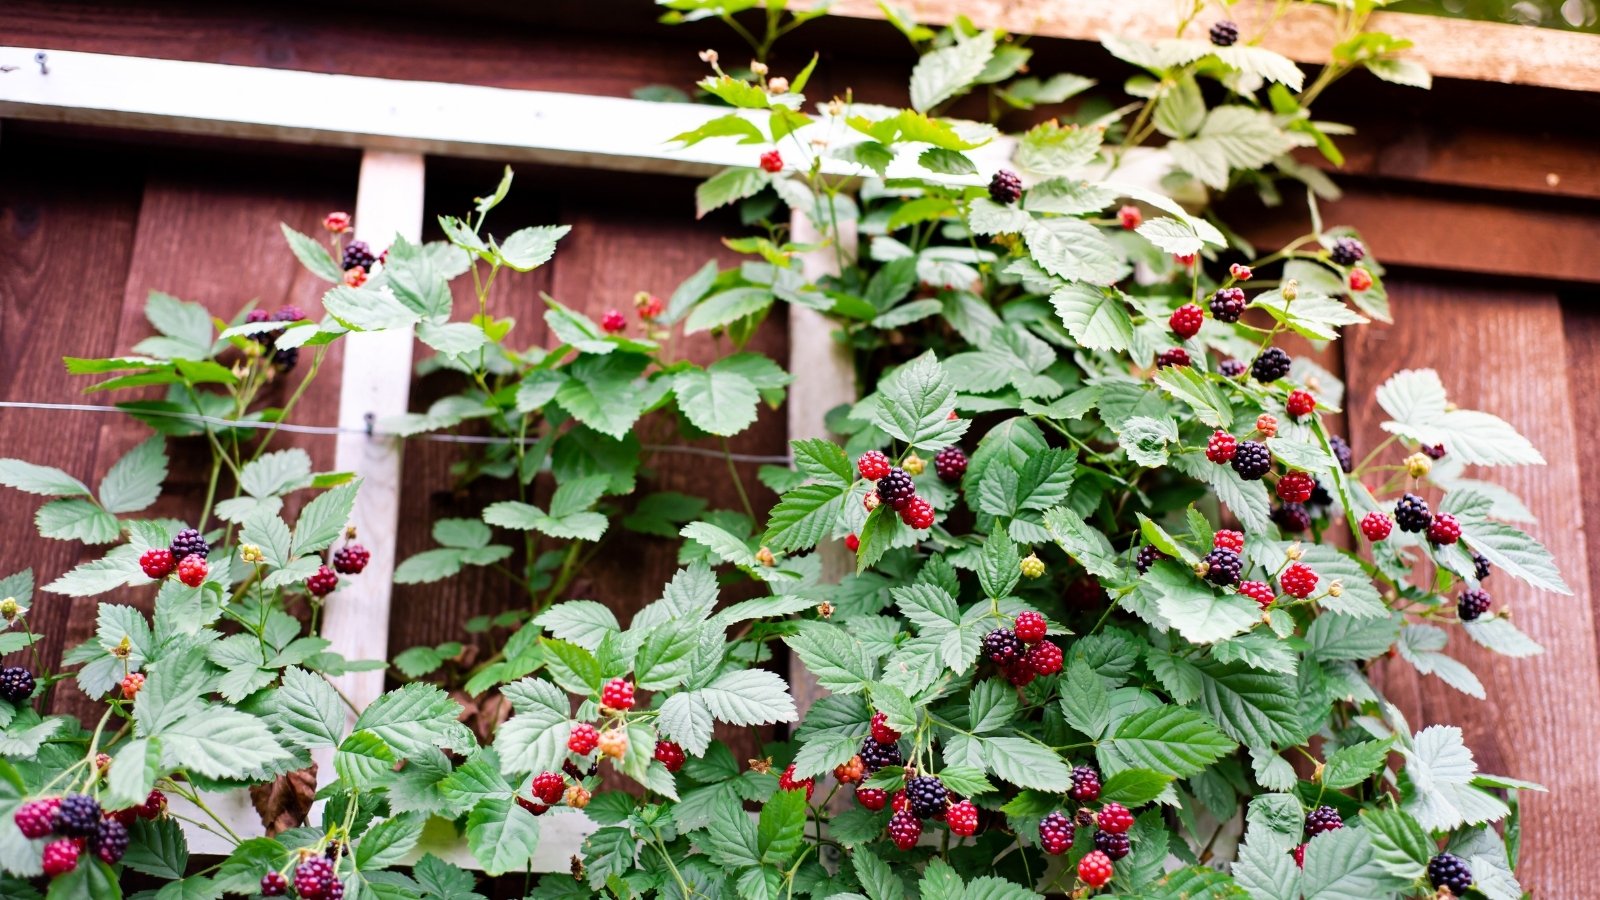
<point x="68" y="223"/>
<point x="1536" y="707"/>
<point x="1449" y="48"/>
<point x="1547" y="163"/>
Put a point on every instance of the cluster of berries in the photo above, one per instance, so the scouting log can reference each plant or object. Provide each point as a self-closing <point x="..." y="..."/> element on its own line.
<point x="1022" y="653"/>
<point x="616" y="697"/>
<point x="314" y="877"/>
<point x="895" y="487"/>
<point x="879" y="749"/>
<point x="186" y="555"/>
<point x="1058" y="831"/>
<point x="284" y="358"/>
<point x="79" y="824"/>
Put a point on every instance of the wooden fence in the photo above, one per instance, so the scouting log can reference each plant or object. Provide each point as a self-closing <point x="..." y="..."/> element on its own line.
<point x="1488" y="227"/>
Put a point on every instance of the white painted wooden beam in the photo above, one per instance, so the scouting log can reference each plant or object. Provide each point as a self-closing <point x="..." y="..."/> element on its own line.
<point x="418" y="117"/>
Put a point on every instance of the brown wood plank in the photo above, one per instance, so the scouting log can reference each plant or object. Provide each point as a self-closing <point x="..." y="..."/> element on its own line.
<point x="1547" y="163"/>
<point x="68" y="222"/>
<point x="1536" y="707"/>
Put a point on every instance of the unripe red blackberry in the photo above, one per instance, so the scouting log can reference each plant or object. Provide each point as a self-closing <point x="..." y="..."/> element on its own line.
<point x="1341" y="452"/>
<point x="313" y="877"/>
<point x="60" y="857"/>
<point x="1002" y="646"/>
<point x="1019" y="672"/>
<point x="109" y="841"/>
<point x="1259" y="591"/>
<point x="1129" y="217"/>
<point x="1323" y="818"/>
<point x="37" y="818"/>
<point x="851" y="771"/>
<point x="917" y="513"/>
<point x="1223" y="567"/>
<point x="1360" y="280"/>
<point x="1434" y="451"/>
<point x="1301" y="404"/>
<point x="1411" y="513"/>
<point x="1267" y="424"/>
<point x="322" y="582"/>
<point x="1227" y="539"/>
<point x="583" y="739"/>
<point x="1055" y="834"/>
<point x="872" y="798"/>
<point x="1241" y="272"/>
<point x="1085" y="784"/>
<point x="16" y="685"/>
<point x="877" y="754"/>
<point x="192" y="571"/>
<point x="1030" y="626"/>
<point x="131" y="685"/>
<point x="1252" y="460"/>
<point x="950" y="463"/>
<point x="1231" y="368"/>
<point x="962" y="819"/>
<point x="1228" y="304"/>
<point x="1444" y="529"/>
<point x="1221" y="447"/>
<point x="1376" y="526"/>
<point x="852" y="543"/>
<point x="1115" y="818"/>
<point x="905" y="830"/>
<point x="1224" y="33"/>
<point x="273" y="884"/>
<point x="1186" y="260"/>
<point x="1291" y="518"/>
<point x="896" y="488"/>
<point x="873" y="465"/>
<point x="77" y="816"/>
<point x="336" y="222"/>
<point x="787" y="782"/>
<point x="617" y="694"/>
<point x="1298" y="580"/>
<point x="1271" y="365"/>
<point x="1347" y="251"/>
<point x="351" y="559"/>
<point x="1148" y="556"/>
<point x="881" y="732"/>
<point x="1177" y="356"/>
<point x="772" y="161"/>
<point x="1480" y="566"/>
<point x="158" y="562"/>
<point x="1451" y="873"/>
<point x="1095" y="869"/>
<point x="669" y="754"/>
<point x="155" y="806"/>
<point x="1472" y="604"/>
<point x="1295" y="487"/>
<point x="1045" y="658"/>
<point x="549" y="786"/>
<point x="1186" y="320"/>
<point x="1115" y="846"/>
<point x="357" y="253"/>
<point x="613" y="321"/>
<point x="1005" y="188"/>
<point x="927" y="796"/>
<point x="189" y="542"/>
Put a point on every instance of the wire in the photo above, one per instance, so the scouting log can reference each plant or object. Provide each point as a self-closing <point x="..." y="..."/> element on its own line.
<point x="335" y="430"/>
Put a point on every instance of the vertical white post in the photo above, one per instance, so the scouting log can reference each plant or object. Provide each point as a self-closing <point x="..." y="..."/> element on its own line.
<point x="375" y="383"/>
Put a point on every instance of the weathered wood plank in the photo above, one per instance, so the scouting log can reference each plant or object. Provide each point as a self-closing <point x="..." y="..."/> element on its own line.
<point x="1536" y="707"/>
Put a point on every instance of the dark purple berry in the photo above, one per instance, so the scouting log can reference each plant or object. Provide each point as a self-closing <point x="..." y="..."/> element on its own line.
<point x="1271" y="365"/>
<point x="1411" y="513"/>
<point x="1115" y="846"/>
<point x="896" y="488"/>
<point x="1003" y="646"/>
<point x="1085" y="784"/>
<point x="1292" y="518"/>
<point x="1347" y="251"/>
<point x="1451" y="873"/>
<point x="1252" y="460"/>
<point x="1223" y="34"/>
<point x="1148" y="556"/>
<point x="1006" y="188"/>
<point x="16" y="685"/>
<point x="1223" y="567"/>
<point x="189" y="542"/>
<point x="927" y="795"/>
<point x="1472" y="604"/>
<point x="1228" y="304"/>
<point x="876" y="755"/>
<point x="77" y="816"/>
<point x="357" y="253"/>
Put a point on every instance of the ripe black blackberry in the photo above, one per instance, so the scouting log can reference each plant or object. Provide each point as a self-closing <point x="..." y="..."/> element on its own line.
<point x="1323" y="818"/>
<point x="1006" y="188"/>
<point x="927" y="795"/>
<point x="16" y="684"/>
<point x="189" y="542"/>
<point x="1115" y="846"/>
<point x="286" y="358"/>
<point x="109" y="841"/>
<point x="77" y="816"/>
<point x="875" y="755"/>
<point x="357" y="253"/>
<point x="1291" y="518"/>
<point x="1228" y="304"/>
<point x="1472" y="604"/>
<point x="1341" y="452"/>
<point x="1271" y="365"/>
<point x="1347" y="251"/>
<point x="1450" y="872"/>
<point x="1223" y="567"/>
<point x="896" y="488"/>
<point x="1480" y="566"/>
<point x="1223" y="34"/>
<point x="1411" y="513"/>
<point x="1085" y="784"/>
<point x="1251" y="460"/>
<point x="1148" y="556"/>
<point x="1003" y="646"/>
<point x="950" y="463"/>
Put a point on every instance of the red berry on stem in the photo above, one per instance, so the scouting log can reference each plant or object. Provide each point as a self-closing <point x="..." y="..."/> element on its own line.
<point x="60" y="857"/>
<point x="351" y="559"/>
<point x="670" y="755"/>
<point x="1298" y="580"/>
<point x="613" y="321"/>
<point x="787" y="782"/>
<point x="852" y="543"/>
<point x="905" y="830"/>
<point x="1095" y="868"/>
<point x="1259" y="591"/>
<point x="155" y="806"/>
<point x="1240" y="272"/>
<point x="881" y="732"/>
<point x="1296" y="487"/>
<point x="131" y="685"/>
<point x="157" y="562"/>
<point x="1056" y="832"/>
<point x="1176" y="356"/>
<point x="1267" y="425"/>
<point x="1376" y="526"/>
<point x="772" y="161"/>
<point x="36" y="818"/>
<point x="1045" y="658"/>
<point x="950" y="463"/>
<point x="273" y="884"/>
<point x="1221" y="447"/>
<point x="322" y="582"/>
<point x="618" y="694"/>
<point x="1115" y="818"/>
<point x="1301" y="404"/>
<point x="1030" y="626"/>
<point x="871" y="798"/>
<point x="583" y="739"/>
<point x="1444" y="529"/>
<point x="549" y="786"/>
<point x="337" y="222"/>
<point x="1186" y="320"/>
<point x="873" y="465"/>
<point x="962" y="819"/>
<point x="1228" y="540"/>
<point x="917" y="513"/>
<point x="1129" y="217"/>
<point x="1360" y="279"/>
<point x="192" y="571"/>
